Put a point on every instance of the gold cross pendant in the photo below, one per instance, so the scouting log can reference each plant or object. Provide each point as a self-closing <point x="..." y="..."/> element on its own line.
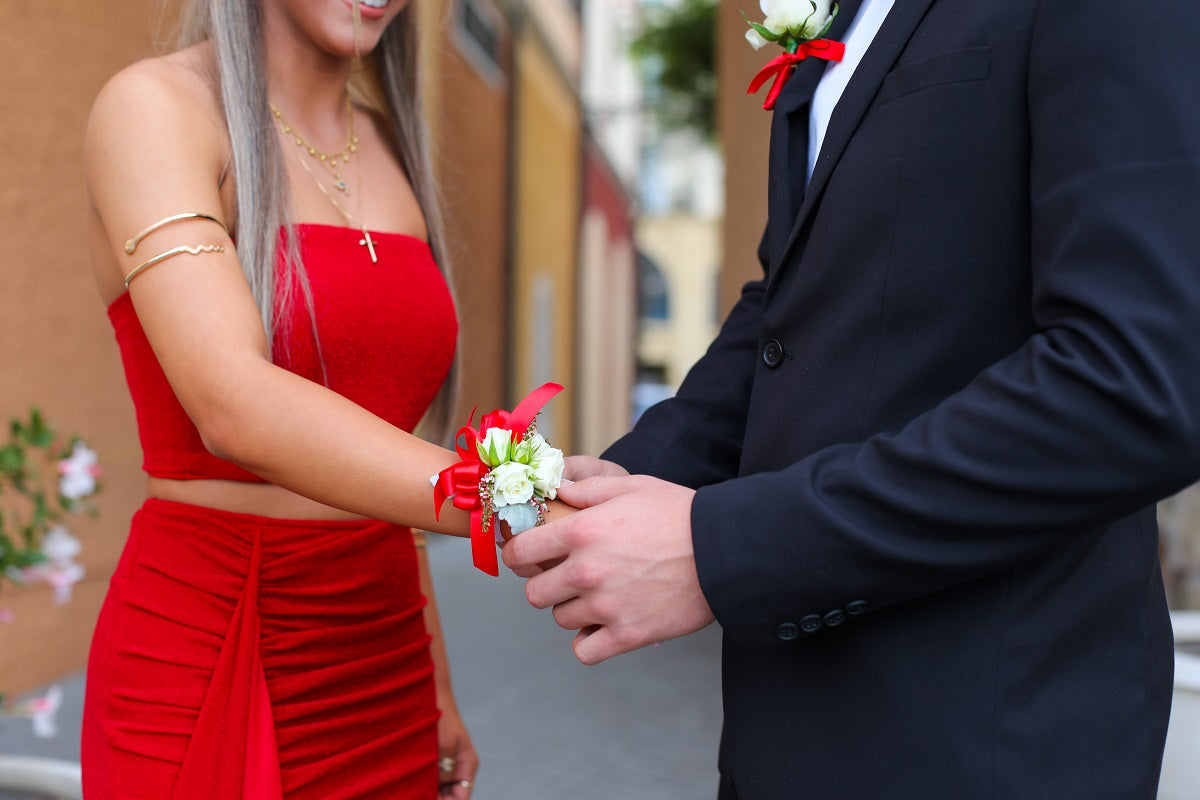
<point x="367" y="242"/>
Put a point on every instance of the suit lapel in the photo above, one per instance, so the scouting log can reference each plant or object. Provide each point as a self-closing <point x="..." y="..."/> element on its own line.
<point x="889" y="43"/>
<point x="789" y="137"/>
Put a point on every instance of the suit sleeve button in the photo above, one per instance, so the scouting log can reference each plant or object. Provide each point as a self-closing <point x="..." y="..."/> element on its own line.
<point x="834" y="618"/>
<point x="856" y="608"/>
<point x="772" y="353"/>
<point x="811" y="623"/>
<point x="787" y="631"/>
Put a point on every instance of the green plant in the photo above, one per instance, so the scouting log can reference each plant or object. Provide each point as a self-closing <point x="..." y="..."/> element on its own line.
<point x="42" y="478"/>
<point x="677" y="52"/>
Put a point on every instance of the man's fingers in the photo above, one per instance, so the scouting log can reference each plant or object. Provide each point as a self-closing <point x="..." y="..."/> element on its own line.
<point x="596" y="644"/>
<point x="542" y="544"/>
<point x="550" y="588"/>
<point x="573" y="615"/>
<point x="597" y="490"/>
<point x="577" y="468"/>
<point x="528" y="571"/>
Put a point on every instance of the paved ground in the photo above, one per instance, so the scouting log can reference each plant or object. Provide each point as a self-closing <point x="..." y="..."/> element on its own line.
<point x="643" y="727"/>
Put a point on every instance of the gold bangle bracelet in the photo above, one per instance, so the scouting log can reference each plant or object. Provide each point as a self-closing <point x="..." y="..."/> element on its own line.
<point x="132" y="244"/>
<point x="419" y="539"/>
<point x="174" y="251"/>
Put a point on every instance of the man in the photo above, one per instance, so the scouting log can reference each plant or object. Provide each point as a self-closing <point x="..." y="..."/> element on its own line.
<point x="913" y="478"/>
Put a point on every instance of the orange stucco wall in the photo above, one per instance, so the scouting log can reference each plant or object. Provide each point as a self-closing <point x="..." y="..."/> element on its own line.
<point x="56" y="349"/>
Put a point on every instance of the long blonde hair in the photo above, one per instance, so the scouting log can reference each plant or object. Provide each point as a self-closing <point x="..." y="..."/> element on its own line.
<point x="389" y="84"/>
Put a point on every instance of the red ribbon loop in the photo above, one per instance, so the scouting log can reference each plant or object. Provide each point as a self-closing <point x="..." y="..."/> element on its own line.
<point x="782" y="66"/>
<point x="461" y="481"/>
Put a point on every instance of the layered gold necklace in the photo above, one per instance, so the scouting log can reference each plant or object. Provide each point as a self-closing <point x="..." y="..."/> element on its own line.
<point x="333" y="162"/>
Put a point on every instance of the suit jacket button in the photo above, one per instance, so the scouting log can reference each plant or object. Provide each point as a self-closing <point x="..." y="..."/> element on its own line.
<point x="811" y="623"/>
<point x="772" y="353"/>
<point x="787" y="631"/>
<point x="857" y="607"/>
<point x="834" y="618"/>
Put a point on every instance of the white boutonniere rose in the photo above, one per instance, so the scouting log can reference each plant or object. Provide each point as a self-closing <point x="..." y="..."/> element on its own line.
<point x="798" y="27"/>
<point x="803" y="19"/>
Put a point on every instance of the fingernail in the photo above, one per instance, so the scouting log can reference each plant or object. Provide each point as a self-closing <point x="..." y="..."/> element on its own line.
<point x="566" y="482"/>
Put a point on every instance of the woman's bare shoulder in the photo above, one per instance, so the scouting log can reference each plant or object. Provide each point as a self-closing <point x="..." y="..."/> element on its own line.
<point x="156" y="96"/>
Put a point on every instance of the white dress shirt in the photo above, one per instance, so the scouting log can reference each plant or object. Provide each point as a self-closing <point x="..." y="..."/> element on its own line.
<point x="861" y="33"/>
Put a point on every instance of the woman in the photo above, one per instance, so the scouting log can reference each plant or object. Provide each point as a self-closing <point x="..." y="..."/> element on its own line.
<point x="265" y="633"/>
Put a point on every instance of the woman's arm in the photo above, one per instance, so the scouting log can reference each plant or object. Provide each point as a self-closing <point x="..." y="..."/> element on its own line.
<point x="152" y="150"/>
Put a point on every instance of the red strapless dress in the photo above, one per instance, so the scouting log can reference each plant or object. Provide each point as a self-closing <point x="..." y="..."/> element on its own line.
<point x="239" y="656"/>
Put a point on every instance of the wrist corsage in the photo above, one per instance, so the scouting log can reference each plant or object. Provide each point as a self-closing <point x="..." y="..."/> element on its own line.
<point x="508" y="471"/>
<point x="797" y="26"/>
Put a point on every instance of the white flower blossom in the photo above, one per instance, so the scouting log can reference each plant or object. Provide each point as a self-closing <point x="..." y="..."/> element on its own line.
<point x="78" y="473"/>
<point x="513" y="484"/>
<point x="495" y="447"/>
<point x="60" y="546"/>
<point x="755" y="39"/>
<point x="60" y="570"/>
<point x="801" y="18"/>
<point x="547" y="464"/>
<point x="41" y="711"/>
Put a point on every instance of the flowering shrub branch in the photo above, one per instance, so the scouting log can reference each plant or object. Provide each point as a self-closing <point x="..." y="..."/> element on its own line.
<point x="42" y="479"/>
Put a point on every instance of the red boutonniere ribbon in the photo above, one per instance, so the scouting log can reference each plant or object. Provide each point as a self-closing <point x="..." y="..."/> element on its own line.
<point x="782" y="66"/>
<point x="460" y="482"/>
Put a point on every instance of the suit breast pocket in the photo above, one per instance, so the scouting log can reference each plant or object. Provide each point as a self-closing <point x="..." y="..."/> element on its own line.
<point x="959" y="66"/>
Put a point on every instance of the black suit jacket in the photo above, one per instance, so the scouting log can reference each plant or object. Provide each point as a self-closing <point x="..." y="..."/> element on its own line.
<point x="929" y="438"/>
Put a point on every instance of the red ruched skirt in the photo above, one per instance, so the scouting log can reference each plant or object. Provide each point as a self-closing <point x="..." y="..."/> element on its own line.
<point x="239" y="656"/>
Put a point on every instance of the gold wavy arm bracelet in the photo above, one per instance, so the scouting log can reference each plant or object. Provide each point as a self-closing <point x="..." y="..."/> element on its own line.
<point x="132" y="244"/>
<point x="174" y="251"/>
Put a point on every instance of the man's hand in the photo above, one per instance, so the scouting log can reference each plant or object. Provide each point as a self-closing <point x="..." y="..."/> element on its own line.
<point x="629" y="575"/>
<point x="580" y="467"/>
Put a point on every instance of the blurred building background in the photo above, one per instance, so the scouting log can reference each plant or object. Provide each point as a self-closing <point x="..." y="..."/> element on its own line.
<point x="598" y="240"/>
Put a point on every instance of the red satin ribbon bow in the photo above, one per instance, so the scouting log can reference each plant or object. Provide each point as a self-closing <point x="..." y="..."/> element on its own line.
<point x="461" y="481"/>
<point x="781" y="67"/>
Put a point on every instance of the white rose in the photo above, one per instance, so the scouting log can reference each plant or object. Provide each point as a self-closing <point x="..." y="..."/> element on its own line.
<point x="547" y="467"/>
<point x="494" y="449"/>
<point x="802" y="18"/>
<point x="513" y="484"/>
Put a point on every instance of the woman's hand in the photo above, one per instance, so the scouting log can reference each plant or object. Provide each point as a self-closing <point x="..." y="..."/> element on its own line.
<point x="456" y="752"/>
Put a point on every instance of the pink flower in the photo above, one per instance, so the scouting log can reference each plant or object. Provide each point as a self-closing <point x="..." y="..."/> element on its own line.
<point x="78" y="473"/>
<point x="60" y="569"/>
<point x="41" y="711"/>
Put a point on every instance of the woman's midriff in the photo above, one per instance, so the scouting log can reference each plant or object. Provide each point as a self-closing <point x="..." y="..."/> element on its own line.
<point x="259" y="499"/>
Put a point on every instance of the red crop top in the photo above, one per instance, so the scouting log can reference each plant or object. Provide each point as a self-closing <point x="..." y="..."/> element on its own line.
<point x="387" y="334"/>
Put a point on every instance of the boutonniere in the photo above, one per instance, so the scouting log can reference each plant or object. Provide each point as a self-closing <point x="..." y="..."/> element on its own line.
<point x="797" y="26"/>
<point x="508" y="471"/>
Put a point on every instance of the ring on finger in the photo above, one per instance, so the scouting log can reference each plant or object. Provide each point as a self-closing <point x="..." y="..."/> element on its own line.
<point x="446" y="764"/>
